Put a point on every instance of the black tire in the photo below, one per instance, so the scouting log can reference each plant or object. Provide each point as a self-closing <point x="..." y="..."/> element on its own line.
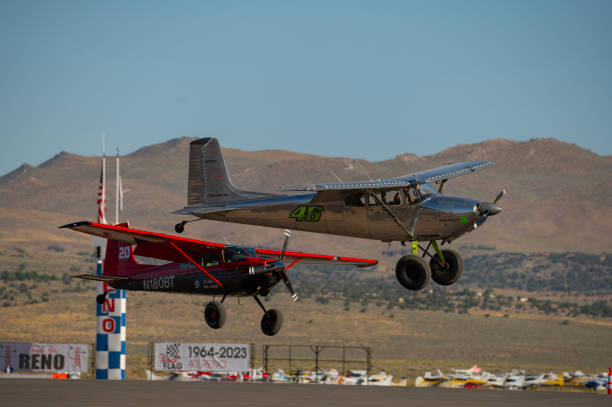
<point x="100" y="298"/>
<point x="179" y="227"/>
<point x="412" y="272"/>
<point x="449" y="274"/>
<point x="271" y="322"/>
<point x="214" y="314"/>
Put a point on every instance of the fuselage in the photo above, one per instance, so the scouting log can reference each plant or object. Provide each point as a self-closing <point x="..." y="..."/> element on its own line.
<point x="427" y="217"/>
<point x="247" y="277"/>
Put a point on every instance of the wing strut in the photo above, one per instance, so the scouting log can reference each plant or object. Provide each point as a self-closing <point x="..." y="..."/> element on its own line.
<point x="393" y="216"/>
<point x="185" y="255"/>
<point x="294" y="263"/>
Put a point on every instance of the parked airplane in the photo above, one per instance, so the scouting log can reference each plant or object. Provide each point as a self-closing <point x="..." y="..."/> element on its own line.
<point x="406" y="208"/>
<point x="199" y="267"/>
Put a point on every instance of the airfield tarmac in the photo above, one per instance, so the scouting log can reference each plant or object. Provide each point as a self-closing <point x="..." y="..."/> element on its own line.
<point x="27" y="392"/>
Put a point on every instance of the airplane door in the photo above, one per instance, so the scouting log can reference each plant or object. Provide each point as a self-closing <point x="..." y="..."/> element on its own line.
<point x="382" y="225"/>
<point x="356" y="221"/>
<point x="334" y="216"/>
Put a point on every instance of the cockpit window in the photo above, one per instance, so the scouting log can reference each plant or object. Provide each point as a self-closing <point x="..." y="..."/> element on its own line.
<point x="389" y="197"/>
<point x="428" y="189"/>
<point x="412" y="194"/>
<point x="235" y="253"/>
<point x="210" y="259"/>
<point x="354" y="199"/>
<point x="418" y="192"/>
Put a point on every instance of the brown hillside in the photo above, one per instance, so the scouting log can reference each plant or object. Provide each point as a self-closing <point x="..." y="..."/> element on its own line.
<point x="559" y="195"/>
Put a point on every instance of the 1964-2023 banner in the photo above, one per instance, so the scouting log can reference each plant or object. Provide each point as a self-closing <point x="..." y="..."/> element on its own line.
<point x="45" y="357"/>
<point x="214" y="357"/>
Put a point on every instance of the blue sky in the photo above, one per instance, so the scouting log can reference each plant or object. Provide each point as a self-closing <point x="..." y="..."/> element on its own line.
<point x="360" y="79"/>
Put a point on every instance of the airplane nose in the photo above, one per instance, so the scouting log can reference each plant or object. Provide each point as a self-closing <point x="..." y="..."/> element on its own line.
<point x="488" y="208"/>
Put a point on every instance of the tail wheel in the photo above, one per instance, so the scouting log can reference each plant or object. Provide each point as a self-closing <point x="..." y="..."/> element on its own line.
<point x="450" y="272"/>
<point x="272" y="322"/>
<point x="214" y="314"/>
<point x="100" y="298"/>
<point x="412" y="272"/>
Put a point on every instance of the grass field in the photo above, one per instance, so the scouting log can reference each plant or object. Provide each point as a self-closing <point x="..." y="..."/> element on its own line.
<point x="405" y="343"/>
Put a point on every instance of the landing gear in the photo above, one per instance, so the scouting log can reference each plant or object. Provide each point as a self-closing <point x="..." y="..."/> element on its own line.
<point x="180" y="227"/>
<point x="412" y="272"/>
<point x="449" y="272"/>
<point x="445" y="267"/>
<point x="214" y="314"/>
<point x="272" y="320"/>
<point x="100" y="298"/>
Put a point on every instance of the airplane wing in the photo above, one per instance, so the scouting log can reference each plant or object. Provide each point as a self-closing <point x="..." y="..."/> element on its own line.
<point x="161" y="246"/>
<point x="448" y="171"/>
<point x="436" y="174"/>
<point x="148" y="244"/>
<point x="309" y="258"/>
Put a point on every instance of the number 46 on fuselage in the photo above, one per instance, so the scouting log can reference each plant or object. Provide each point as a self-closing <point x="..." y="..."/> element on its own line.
<point x="407" y="208"/>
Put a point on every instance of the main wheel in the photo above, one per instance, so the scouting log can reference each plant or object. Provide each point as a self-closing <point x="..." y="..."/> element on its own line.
<point x="271" y="322"/>
<point x="450" y="272"/>
<point x="412" y="272"/>
<point x="214" y="314"/>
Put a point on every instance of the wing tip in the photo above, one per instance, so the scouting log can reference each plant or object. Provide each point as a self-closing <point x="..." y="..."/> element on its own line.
<point x="75" y="224"/>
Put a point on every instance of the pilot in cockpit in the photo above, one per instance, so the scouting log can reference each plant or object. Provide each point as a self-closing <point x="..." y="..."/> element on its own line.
<point x="396" y="199"/>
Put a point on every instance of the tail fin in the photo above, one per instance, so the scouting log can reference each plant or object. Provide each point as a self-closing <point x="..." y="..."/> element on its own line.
<point x="209" y="182"/>
<point x="119" y="260"/>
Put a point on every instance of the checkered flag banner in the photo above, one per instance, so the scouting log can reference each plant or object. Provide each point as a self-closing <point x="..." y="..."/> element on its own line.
<point x="172" y="350"/>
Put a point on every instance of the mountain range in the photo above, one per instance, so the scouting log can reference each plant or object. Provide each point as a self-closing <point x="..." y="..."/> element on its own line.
<point x="559" y="196"/>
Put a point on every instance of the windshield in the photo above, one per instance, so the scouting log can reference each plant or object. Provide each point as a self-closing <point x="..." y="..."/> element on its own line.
<point x="428" y="189"/>
<point x="235" y="253"/>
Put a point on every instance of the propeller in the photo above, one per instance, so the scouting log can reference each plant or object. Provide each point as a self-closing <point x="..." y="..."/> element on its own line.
<point x="283" y="270"/>
<point x="486" y="209"/>
<point x="500" y="195"/>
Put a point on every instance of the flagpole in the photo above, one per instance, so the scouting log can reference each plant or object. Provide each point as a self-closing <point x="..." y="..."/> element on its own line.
<point x="117" y="190"/>
<point x="103" y="180"/>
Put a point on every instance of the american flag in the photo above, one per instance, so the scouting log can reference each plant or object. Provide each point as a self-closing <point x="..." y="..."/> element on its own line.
<point x="101" y="199"/>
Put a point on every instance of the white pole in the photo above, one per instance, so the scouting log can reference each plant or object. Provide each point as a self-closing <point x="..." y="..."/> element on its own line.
<point x="103" y="178"/>
<point x="117" y="190"/>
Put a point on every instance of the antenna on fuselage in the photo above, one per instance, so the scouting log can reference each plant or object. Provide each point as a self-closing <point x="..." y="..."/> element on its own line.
<point x="364" y="171"/>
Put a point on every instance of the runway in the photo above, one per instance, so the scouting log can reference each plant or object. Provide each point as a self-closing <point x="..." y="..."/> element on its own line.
<point x="27" y="392"/>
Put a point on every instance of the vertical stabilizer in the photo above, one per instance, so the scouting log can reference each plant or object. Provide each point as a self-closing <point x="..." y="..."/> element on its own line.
<point x="119" y="259"/>
<point x="209" y="182"/>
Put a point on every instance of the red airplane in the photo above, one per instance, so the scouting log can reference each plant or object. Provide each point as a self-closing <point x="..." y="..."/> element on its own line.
<point x="199" y="267"/>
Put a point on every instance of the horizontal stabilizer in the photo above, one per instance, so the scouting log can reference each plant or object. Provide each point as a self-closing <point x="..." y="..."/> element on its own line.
<point x="108" y="279"/>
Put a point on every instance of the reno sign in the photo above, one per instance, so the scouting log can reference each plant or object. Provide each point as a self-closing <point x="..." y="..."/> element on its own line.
<point x="44" y="357"/>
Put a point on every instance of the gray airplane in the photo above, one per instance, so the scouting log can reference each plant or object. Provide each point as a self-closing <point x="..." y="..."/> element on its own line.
<point x="409" y="208"/>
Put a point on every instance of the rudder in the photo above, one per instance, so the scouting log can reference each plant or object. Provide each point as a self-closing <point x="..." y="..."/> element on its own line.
<point x="208" y="181"/>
